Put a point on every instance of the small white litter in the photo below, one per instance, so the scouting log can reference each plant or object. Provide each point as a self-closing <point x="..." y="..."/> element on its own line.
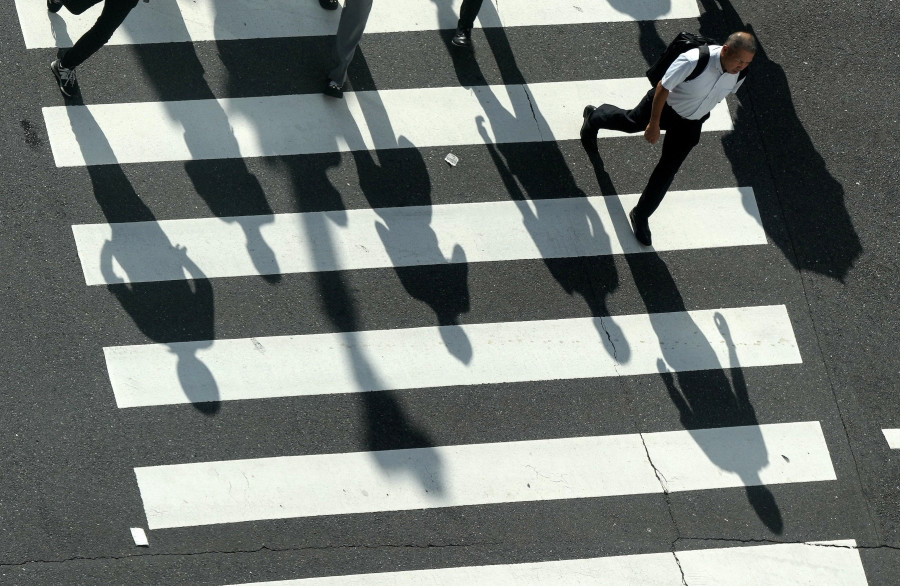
<point x="452" y="159"/>
<point x="140" y="538"/>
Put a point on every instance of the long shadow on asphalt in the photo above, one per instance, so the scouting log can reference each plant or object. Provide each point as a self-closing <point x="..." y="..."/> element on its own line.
<point x="399" y="178"/>
<point x="708" y="398"/>
<point x="176" y="313"/>
<point x="387" y="425"/>
<point x="535" y="173"/>
<point x="226" y="185"/>
<point x="820" y="237"/>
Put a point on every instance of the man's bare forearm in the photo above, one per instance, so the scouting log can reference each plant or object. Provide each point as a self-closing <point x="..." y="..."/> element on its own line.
<point x="659" y="100"/>
<point x="651" y="133"/>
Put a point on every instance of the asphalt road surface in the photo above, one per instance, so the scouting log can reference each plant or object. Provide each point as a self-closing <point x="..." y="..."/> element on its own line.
<point x="282" y="336"/>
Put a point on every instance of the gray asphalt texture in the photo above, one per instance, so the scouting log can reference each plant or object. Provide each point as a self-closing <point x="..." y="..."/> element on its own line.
<point x="815" y="136"/>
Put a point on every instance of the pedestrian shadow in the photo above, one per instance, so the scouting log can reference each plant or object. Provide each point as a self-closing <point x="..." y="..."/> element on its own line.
<point x="231" y="192"/>
<point x="226" y="185"/>
<point x="705" y="399"/>
<point x="228" y="189"/>
<point x="534" y="174"/>
<point x="387" y="426"/>
<point x="652" y="45"/>
<point x="167" y="312"/>
<point x="820" y="236"/>
<point x="646" y="13"/>
<point x="710" y="398"/>
<point x="399" y="178"/>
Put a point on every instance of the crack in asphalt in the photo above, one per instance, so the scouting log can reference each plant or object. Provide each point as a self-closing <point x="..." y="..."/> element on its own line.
<point x="615" y="357"/>
<point x="264" y="548"/>
<point x="665" y="488"/>
<point x="659" y="475"/>
<point x="680" y="569"/>
<point x="776" y="542"/>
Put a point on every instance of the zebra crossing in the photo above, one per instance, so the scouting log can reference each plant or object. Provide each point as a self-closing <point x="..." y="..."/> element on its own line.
<point x="265" y="367"/>
<point x="584" y="467"/>
<point x="491" y="231"/>
<point x="499" y="230"/>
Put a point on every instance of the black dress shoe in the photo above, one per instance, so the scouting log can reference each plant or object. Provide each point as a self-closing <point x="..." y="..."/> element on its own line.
<point x="54" y="5"/>
<point x="641" y="228"/>
<point x="329" y="4"/>
<point x="333" y="90"/>
<point x="462" y="37"/>
<point x="588" y="134"/>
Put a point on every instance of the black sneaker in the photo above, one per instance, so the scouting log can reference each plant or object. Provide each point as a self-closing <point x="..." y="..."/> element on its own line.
<point x="68" y="85"/>
<point x="54" y="5"/>
<point x="641" y="228"/>
<point x="333" y="90"/>
<point x="588" y="134"/>
<point x="462" y="37"/>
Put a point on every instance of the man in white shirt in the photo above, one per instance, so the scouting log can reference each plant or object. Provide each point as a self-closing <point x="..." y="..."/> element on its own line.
<point x="679" y="106"/>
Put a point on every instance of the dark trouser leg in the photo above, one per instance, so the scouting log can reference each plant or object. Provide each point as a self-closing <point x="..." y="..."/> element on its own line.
<point x="614" y="118"/>
<point x="350" y="31"/>
<point x="681" y="136"/>
<point x="113" y="15"/>
<point x="468" y="12"/>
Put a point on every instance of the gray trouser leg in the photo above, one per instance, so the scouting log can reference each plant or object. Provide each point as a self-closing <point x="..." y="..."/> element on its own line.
<point x="350" y="31"/>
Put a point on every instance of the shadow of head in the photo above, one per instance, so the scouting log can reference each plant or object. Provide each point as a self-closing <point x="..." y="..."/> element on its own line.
<point x="742" y="451"/>
<point x="763" y="502"/>
<point x="197" y="382"/>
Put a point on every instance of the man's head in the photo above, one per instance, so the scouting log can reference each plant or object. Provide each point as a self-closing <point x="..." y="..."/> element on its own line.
<point x="738" y="52"/>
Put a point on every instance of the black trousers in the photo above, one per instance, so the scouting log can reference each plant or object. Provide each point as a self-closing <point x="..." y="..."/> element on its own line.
<point x="468" y="12"/>
<point x="112" y="16"/>
<point x="681" y="136"/>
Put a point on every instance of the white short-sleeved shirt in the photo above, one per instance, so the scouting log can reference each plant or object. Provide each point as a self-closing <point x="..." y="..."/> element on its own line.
<point x="696" y="98"/>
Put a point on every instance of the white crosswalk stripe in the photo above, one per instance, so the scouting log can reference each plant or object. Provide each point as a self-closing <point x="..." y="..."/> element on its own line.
<point x="451" y="476"/>
<point x="827" y="563"/>
<point x="477" y="354"/>
<point x="409" y="236"/>
<point x="198" y="492"/>
<point x="174" y="21"/>
<point x="893" y="438"/>
<point x="306" y="124"/>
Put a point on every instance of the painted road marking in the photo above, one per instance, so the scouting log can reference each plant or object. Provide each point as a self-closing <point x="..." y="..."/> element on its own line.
<point x="101" y="134"/>
<point x="206" y="493"/>
<point x="352" y="362"/>
<point x="409" y="236"/>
